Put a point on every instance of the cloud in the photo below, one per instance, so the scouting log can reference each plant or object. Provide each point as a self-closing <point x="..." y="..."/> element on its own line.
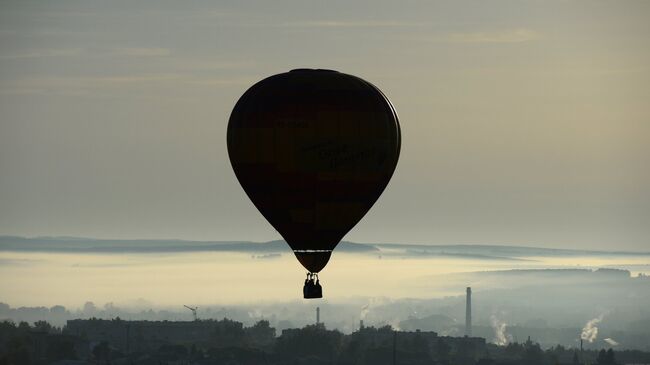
<point x="141" y="52"/>
<point x="99" y="80"/>
<point x="79" y="85"/>
<point x="90" y="85"/>
<point x="40" y="53"/>
<point x="507" y="36"/>
<point x="105" y="265"/>
<point x="18" y="262"/>
<point x="73" y="52"/>
<point x="349" y="24"/>
<point x="221" y="81"/>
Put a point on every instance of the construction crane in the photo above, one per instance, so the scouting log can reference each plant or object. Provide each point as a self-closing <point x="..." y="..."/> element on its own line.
<point x="193" y="309"/>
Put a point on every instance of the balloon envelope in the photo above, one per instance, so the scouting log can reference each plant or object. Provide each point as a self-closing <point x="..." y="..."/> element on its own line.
<point x="313" y="150"/>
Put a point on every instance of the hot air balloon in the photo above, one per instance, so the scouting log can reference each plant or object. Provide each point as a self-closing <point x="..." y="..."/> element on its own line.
<point x="313" y="150"/>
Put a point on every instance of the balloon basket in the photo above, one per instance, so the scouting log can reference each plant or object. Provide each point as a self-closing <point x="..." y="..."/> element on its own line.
<point x="312" y="288"/>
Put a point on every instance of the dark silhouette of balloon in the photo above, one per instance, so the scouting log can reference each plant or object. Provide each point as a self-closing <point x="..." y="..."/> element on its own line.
<point x="313" y="150"/>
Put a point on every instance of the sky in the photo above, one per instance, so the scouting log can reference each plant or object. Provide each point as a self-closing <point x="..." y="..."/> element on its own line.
<point x="523" y="122"/>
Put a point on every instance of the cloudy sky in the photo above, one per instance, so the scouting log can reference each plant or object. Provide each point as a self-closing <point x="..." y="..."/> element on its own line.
<point x="524" y="122"/>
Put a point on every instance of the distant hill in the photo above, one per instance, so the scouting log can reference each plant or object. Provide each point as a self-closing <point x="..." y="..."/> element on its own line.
<point x="76" y="244"/>
<point x="494" y="251"/>
<point x="480" y="252"/>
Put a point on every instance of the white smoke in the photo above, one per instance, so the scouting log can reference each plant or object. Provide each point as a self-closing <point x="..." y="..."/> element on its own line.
<point x="395" y="324"/>
<point x="364" y="311"/>
<point x="590" y="330"/>
<point x="501" y="337"/>
<point x="255" y="313"/>
<point x="611" y="342"/>
<point x="452" y="332"/>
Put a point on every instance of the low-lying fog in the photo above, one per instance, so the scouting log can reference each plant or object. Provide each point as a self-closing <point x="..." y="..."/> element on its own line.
<point x="515" y="293"/>
<point x="70" y="279"/>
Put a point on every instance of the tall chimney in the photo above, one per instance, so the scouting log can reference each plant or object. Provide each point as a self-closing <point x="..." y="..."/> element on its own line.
<point x="468" y="313"/>
<point x="582" y="356"/>
<point x="317" y="315"/>
<point x="361" y="324"/>
<point x="581" y="345"/>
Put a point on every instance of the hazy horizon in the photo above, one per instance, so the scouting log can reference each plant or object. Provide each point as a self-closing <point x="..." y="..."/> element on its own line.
<point x="550" y="296"/>
<point x="123" y="241"/>
<point x="51" y="271"/>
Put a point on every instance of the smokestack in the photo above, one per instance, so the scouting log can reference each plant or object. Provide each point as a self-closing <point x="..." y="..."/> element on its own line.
<point x="582" y="356"/>
<point x="360" y="324"/>
<point x="468" y="313"/>
<point x="317" y="315"/>
<point x="581" y="345"/>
